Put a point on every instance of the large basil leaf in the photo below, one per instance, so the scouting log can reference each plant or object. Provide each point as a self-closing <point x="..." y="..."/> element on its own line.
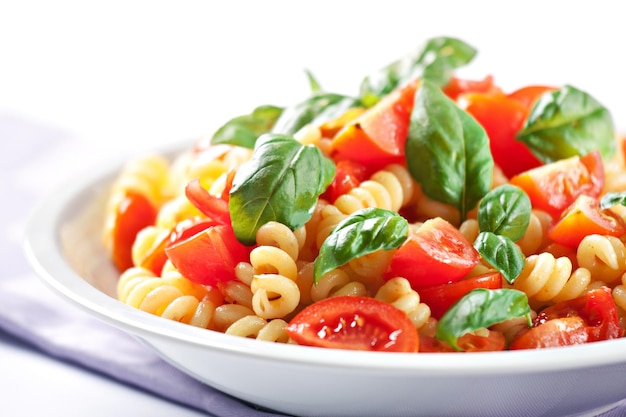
<point x="505" y="211"/>
<point x="501" y="253"/>
<point x="481" y="308"/>
<point x="364" y="231"/>
<point x="447" y="151"/>
<point x="281" y="182"/>
<point x="244" y="130"/>
<point x="434" y="60"/>
<point x="568" y="122"/>
<point x="317" y="109"/>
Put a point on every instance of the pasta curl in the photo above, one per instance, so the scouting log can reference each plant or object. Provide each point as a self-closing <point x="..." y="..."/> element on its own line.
<point x="603" y="256"/>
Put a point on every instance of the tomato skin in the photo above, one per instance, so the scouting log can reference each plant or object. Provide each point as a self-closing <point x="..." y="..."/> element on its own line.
<point x="555" y="186"/>
<point x="355" y="323"/>
<point x="457" y="86"/>
<point x="211" y="206"/>
<point x="133" y="213"/>
<point x="589" y="318"/>
<point x="441" y="297"/>
<point x="378" y="136"/>
<point x="437" y="253"/>
<point x="494" y="341"/>
<point x="585" y="217"/>
<point x="348" y="175"/>
<point x="529" y="95"/>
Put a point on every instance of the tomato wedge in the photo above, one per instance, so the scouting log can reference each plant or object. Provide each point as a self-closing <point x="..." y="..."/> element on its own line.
<point x="348" y="175"/>
<point x="133" y="213"/>
<point x="458" y="86"/>
<point x="530" y="94"/>
<point x="437" y="253"/>
<point x="441" y="297"/>
<point x="585" y="217"/>
<point x="211" y="206"/>
<point x="493" y="341"/>
<point x="555" y="186"/>
<point x="379" y="134"/>
<point x="589" y="318"/>
<point x="355" y="323"/>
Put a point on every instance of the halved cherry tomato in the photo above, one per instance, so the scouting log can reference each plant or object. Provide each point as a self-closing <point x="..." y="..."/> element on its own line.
<point x="133" y="213"/>
<point x="356" y="323"/>
<point x="378" y="136"/>
<point x="348" y="175"/>
<point x="493" y="341"/>
<point x="589" y="318"/>
<point x="585" y="217"/>
<point x="441" y="297"/>
<point x="207" y="253"/>
<point x="458" y="86"/>
<point x="555" y="186"/>
<point x="437" y="253"/>
<point x="211" y="206"/>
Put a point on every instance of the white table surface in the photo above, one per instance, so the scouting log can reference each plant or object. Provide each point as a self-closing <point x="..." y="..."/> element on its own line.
<point x="124" y="76"/>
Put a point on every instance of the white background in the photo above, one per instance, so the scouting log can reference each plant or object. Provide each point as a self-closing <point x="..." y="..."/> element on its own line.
<point x="126" y="76"/>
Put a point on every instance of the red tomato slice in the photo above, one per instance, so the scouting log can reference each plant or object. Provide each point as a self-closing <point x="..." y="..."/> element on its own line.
<point x="458" y="86"/>
<point x="348" y="175"/>
<point x="211" y="206"/>
<point x="378" y="136"/>
<point x="585" y="217"/>
<point x="588" y="318"/>
<point x="207" y="253"/>
<point x="133" y="213"/>
<point x="494" y="341"/>
<point x="437" y="253"/>
<point x="441" y="297"/>
<point x="555" y="186"/>
<point x="355" y="323"/>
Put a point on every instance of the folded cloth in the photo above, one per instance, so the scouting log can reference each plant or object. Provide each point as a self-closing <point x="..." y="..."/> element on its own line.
<point x="31" y="312"/>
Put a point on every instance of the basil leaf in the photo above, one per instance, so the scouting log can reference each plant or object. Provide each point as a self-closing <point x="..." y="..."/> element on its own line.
<point x="501" y="253"/>
<point x="281" y="182"/>
<point x="447" y="151"/>
<point x="244" y="130"/>
<point x="315" y="110"/>
<point x="505" y="211"/>
<point x="611" y="199"/>
<point x="364" y="231"/>
<point x="568" y="122"/>
<point x="435" y="60"/>
<point x="314" y="85"/>
<point x="481" y="308"/>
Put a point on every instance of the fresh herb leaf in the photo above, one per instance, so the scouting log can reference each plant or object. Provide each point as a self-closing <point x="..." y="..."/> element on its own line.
<point x="501" y="253"/>
<point x="434" y="60"/>
<point x="447" y="151"/>
<point x="611" y="199"/>
<point x="281" y="182"/>
<point x="314" y="85"/>
<point x="244" y="130"/>
<point x="481" y="308"/>
<point x="505" y="211"/>
<point x="568" y="122"/>
<point x="364" y="231"/>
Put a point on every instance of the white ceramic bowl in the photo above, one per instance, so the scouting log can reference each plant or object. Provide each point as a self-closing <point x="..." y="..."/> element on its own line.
<point x="64" y="247"/>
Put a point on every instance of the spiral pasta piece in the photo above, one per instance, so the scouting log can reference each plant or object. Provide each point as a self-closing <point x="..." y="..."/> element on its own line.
<point x="603" y="256"/>
<point x="398" y="292"/>
<point x="258" y="328"/>
<point x="216" y="161"/>
<point x="334" y="283"/>
<point x="535" y="237"/>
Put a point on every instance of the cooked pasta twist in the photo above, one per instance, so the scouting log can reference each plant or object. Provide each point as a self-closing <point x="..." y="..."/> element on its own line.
<point x="603" y="256"/>
<point x="215" y="162"/>
<point x="258" y="328"/>
<point x="148" y="175"/>
<point x="146" y="241"/>
<point x="398" y="292"/>
<point x="535" y="237"/>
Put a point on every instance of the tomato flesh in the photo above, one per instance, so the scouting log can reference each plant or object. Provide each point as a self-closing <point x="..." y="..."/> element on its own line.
<point x="355" y="323"/>
<point x="437" y="253"/>
<point x="458" y="86"/>
<point x="348" y="175"/>
<point x="211" y="206"/>
<point x="493" y="341"/>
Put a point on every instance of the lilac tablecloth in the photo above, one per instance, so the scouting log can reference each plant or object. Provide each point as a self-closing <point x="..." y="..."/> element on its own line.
<point x="32" y="159"/>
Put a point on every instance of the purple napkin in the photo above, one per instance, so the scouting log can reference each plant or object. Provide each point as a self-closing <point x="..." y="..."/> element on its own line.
<point x="32" y="160"/>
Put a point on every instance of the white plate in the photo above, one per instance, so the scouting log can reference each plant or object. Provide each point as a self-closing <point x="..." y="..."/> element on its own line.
<point x="63" y="243"/>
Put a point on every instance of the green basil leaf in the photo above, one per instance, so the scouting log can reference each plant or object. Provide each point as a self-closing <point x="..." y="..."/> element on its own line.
<point x="317" y="109"/>
<point x="281" y="182"/>
<point x="447" y="151"/>
<point x="314" y="85"/>
<point x="435" y="60"/>
<point x="481" y="308"/>
<point x="611" y="199"/>
<point x="501" y="253"/>
<point x="244" y="130"/>
<point x="505" y="211"/>
<point x="568" y="122"/>
<point x="364" y="231"/>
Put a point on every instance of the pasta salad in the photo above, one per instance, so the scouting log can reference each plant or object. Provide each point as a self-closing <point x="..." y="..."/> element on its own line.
<point x="427" y="213"/>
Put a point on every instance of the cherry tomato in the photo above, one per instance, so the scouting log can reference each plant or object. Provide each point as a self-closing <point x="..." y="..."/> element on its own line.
<point x="211" y="206"/>
<point x="207" y="253"/>
<point x="356" y="323"/>
<point x="529" y="95"/>
<point x="348" y="175"/>
<point x="441" y="297"/>
<point x="133" y="213"/>
<point x="378" y="136"/>
<point x="555" y="186"/>
<point x="493" y="341"/>
<point x="585" y="217"/>
<point x="437" y="253"/>
<point x="589" y="318"/>
<point x="458" y="86"/>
